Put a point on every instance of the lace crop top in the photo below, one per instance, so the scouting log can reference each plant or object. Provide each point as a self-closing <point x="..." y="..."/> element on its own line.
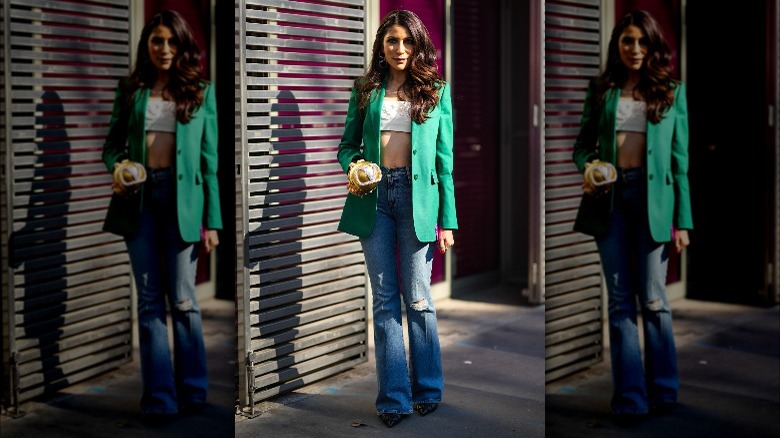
<point x="161" y="115"/>
<point x="396" y="116"/>
<point x="631" y="115"/>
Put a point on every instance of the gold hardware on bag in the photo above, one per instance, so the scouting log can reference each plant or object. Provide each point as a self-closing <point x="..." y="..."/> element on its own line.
<point x="363" y="177"/>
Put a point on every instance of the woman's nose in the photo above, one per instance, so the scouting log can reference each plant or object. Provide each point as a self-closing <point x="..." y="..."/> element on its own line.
<point x="401" y="48"/>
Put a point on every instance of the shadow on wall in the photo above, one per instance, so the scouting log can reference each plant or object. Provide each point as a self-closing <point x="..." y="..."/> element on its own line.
<point x="37" y="251"/>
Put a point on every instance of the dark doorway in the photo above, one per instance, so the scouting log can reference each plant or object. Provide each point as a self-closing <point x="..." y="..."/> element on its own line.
<point x="730" y="153"/>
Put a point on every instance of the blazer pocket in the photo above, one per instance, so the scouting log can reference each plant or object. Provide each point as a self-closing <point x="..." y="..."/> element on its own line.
<point x="434" y="178"/>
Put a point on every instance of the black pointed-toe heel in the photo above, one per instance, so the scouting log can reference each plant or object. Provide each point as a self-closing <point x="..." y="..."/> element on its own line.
<point x="425" y="408"/>
<point x="390" y="419"/>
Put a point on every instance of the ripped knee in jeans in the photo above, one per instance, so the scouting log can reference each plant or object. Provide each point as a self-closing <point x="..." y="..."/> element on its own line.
<point x="655" y="305"/>
<point x="184" y="305"/>
<point x="420" y="305"/>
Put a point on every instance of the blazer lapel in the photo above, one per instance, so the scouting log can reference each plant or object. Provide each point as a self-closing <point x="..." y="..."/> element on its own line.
<point x="375" y="114"/>
<point x="610" y="105"/>
<point x="139" y="114"/>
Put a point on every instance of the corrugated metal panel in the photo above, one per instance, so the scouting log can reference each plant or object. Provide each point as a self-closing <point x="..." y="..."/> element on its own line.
<point x="572" y="271"/>
<point x="303" y="303"/>
<point x="67" y="293"/>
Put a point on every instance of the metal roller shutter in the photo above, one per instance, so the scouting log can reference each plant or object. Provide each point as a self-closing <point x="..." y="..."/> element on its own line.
<point x="303" y="301"/>
<point x="571" y="267"/>
<point x="66" y="295"/>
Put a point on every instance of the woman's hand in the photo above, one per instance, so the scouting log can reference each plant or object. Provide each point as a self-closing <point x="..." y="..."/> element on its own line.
<point x="681" y="240"/>
<point x="119" y="189"/>
<point x="587" y="187"/>
<point x="210" y="240"/>
<point x="445" y="240"/>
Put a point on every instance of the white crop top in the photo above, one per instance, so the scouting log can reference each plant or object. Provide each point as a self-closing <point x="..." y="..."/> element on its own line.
<point x="161" y="115"/>
<point x="631" y="115"/>
<point x="396" y="116"/>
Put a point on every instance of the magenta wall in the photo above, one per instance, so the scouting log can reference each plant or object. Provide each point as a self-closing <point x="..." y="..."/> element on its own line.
<point x="431" y="12"/>
<point x="667" y="13"/>
<point x="196" y="12"/>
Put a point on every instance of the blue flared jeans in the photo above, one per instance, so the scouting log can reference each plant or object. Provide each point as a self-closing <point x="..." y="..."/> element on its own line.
<point x="635" y="268"/>
<point x="164" y="267"/>
<point x="406" y="275"/>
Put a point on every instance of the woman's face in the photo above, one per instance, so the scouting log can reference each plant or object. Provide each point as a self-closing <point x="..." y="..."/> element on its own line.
<point x="162" y="46"/>
<point x="633" y="48"/>
<point x="398" y="47"/>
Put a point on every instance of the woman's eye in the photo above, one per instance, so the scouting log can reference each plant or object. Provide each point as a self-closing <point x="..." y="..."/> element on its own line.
<point x="409" y="42"/>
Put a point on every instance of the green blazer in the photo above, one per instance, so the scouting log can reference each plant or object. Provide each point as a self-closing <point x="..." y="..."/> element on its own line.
<point x="197" y="190"/>
<point x="668" y="193"/>
<point x="433" y="191"/>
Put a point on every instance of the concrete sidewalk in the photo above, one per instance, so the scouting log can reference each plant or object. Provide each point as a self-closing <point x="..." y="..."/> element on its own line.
<point x="493" y="358"/>
<point x="729" y="367"/>
<point x="108" y="406"/>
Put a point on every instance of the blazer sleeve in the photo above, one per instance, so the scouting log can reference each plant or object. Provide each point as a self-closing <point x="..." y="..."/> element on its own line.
<point x="209" y="162"/>
<point x="114" y="148"/>
<point x="444" y="163"/>
<point x="682" y="194"/>
<point x="352" y="138"/>
<point x="585" y="145"/>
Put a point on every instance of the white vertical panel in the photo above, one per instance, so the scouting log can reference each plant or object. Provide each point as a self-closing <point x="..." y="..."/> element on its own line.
<point x="776" y="62"/>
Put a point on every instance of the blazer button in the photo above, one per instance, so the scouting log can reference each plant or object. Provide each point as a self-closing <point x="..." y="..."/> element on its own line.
<point x="650" y="177"/>
<point x="182" y="176"/>
<point x="649" y="152"/>
<point x="415" y="176"/>
<point x="178" y="152"/>
<point x="414" y="152"/>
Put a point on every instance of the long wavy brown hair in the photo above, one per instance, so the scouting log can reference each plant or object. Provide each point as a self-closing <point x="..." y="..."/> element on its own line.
<point x="423" y="81"/>
<point x="656" y="84"/>
<point x="185" y="84"/>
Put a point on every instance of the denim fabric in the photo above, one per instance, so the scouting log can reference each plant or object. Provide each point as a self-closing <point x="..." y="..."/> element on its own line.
<point x="422" y="382"/>
<point x="164" y="267"/>
<point x="635" y="267"/>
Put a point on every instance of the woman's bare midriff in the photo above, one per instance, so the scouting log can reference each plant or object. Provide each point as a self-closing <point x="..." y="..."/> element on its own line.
<point x="631" y="149"/>
<point x="396" y="148"/>
<point x="160" y="149"/>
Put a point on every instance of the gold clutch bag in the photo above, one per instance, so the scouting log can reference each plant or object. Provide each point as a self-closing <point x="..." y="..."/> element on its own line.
<point x="363" y="177"/>
<point x="130" y="174"/>
<point x="601" y="174"/>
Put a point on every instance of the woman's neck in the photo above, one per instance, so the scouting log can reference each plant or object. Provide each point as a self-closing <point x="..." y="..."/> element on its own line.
<point x="632" y="81"/>
<point x="161" y="81"/>
<point x="396" y="79"/>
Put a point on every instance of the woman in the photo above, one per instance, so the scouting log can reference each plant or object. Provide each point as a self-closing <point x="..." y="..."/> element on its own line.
<point x="637" y="114"/>
<point x="402" y="112"/>
<point x="165" y="118"/>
